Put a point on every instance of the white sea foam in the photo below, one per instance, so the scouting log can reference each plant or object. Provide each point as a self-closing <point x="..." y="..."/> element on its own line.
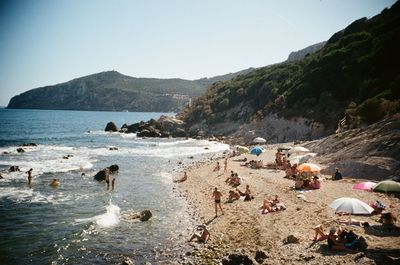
<point x="108" y="219"/>
<point x="49" y="159"/>
<point x="27" y="195"/>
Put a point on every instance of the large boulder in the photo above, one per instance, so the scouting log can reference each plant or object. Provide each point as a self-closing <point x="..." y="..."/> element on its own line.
<point x="133" y="128"/>
<point x="111" y="127"/>
<point x="20" y="150"/>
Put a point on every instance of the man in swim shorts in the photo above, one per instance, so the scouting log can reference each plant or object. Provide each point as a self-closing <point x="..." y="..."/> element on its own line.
<point x="217" y="200"/>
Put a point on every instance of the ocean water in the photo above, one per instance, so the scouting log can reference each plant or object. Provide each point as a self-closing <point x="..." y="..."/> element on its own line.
<point x="81" y="221"/>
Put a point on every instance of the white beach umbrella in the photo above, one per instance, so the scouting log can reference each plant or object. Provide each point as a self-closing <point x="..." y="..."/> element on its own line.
<point x="351" y="205"/>
<point x="259" y="140"/>
<point x="298" y="149"/>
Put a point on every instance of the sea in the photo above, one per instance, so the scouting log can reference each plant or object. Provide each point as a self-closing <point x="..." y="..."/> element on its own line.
<point x="80" y="221"/>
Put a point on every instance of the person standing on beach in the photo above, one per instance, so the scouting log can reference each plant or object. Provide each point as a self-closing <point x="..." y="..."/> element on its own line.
<point x="226" y="165"/>
<point x="217" y="201"/>
<point x="29" y="172"/>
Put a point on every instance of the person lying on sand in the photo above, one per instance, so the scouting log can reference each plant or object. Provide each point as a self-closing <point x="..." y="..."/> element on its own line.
<point x="354" y="222"/>
<point x="277" y="205"/>
<point x="201" y="237"/>
<point x="240" y="160"/>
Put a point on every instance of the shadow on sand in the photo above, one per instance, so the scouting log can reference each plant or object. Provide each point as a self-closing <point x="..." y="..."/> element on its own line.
<point x="382" y="231"/>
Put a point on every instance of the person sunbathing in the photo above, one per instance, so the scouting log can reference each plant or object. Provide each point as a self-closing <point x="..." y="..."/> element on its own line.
<point x="315" y="184"/>
<point x="277" y="205"/>
<point x="233" y="195"/>
<point x="247" y="194"/>
<point x="201" y="237"/>
<point x="235" y="181"/>
<point x="354" y="222"/>
<point x="267" y="206"/>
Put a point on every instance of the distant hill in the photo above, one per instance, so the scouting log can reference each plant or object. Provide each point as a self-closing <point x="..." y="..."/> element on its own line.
<point x="112" y="91"/>
<point x="301" y="54"/>
<point x="352" y="81"/>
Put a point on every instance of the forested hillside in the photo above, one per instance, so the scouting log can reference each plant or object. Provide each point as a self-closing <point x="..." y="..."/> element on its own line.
<point x="356" y="74"/>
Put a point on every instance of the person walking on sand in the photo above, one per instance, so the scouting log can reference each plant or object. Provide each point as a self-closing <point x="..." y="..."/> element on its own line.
<point x="217" y="201"/>
<point x="29" y="172"/>
<point x="217" y="167"/>
<point x="226" y="165"/>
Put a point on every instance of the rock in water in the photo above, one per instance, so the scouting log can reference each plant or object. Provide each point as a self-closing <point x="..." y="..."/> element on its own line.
<point x="145" y="215"/>
<point x="20" y="150"/>
<point x="13" y="169"/>
<point x="111" y="127"/>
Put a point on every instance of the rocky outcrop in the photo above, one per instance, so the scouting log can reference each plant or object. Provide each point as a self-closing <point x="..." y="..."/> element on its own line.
<point x="165" y="126"/>
<point x="369" y="153"/>
<point x="111" y="127"/>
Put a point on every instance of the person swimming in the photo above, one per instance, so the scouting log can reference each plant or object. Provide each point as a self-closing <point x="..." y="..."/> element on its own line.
<point x="55" y="183"/>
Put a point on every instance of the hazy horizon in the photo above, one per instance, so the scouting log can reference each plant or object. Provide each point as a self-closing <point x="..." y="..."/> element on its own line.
<point x="49" y="42"/>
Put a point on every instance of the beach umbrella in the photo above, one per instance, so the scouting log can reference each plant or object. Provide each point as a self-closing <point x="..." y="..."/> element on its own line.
<point x="387" y="186"/>
<point x="298" y="149"/>
<point x="364" y="185"/>
<point x="242" y="149"/>
<point x="256" y="150"/>
<point x="259" y="140"/>
<point x="351" y="206"/>
<point x="308" y="167"/>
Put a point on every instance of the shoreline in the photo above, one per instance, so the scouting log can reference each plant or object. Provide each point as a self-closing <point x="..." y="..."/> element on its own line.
<point x="243" y="231"/>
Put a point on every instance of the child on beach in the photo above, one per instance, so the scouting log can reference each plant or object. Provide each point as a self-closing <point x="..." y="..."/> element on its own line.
<point x="217" y="195"/>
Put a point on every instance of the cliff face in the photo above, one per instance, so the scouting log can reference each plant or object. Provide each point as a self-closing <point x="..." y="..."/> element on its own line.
<point x="355" y="75"/>
<point x="301" y="54"/>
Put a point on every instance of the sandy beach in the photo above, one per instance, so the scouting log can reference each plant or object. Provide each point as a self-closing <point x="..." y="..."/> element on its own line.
<point x="247" y="233"/>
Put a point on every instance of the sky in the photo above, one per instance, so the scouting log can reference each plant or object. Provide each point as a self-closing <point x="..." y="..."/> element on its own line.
<point x="45" y="42"/>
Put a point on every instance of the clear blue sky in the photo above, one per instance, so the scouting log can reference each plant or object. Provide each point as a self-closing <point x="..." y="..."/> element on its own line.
<point x="44" y="42"/>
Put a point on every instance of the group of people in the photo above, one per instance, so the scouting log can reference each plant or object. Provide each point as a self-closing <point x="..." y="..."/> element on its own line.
<point x="236" y="194"/>
<point x="233" y="180"/>
<point x="56" y="182"/>
<point x="272" y="205"/>
<point x="340" y="239"/>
